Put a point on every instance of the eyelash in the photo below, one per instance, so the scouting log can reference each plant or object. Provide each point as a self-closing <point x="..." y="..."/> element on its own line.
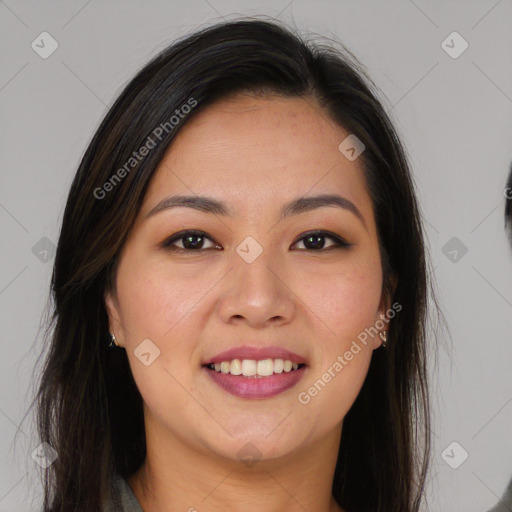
<point x="167" y="244"/>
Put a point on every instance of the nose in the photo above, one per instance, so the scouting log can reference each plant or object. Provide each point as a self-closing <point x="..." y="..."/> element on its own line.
<point x="257" y="294"/>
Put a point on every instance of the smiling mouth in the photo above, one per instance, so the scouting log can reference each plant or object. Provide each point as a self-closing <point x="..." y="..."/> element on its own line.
<point x="256" y="379"/>
<point x="256" y="369"/>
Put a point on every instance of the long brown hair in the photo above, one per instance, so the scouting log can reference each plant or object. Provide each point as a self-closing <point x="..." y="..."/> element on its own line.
<point x="88" y="406"/>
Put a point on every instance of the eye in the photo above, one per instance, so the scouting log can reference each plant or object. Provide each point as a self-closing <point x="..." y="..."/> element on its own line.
<point x="315" y="241"/>
<point x="191" y="240"/>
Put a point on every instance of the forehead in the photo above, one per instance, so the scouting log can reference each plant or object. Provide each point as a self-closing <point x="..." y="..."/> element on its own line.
<point x="259" y="153"/>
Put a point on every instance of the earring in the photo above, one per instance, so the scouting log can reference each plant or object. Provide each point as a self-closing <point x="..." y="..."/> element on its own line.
<point x="113" y="342"/>
<point x="384" y="337"/>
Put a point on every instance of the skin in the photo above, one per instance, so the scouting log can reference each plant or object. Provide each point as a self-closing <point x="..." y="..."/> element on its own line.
<point x="255" y="154"/>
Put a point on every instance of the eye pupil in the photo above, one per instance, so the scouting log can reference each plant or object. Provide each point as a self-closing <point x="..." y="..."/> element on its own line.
<point x="314" y="245"/>
<point x="188" y="238"/>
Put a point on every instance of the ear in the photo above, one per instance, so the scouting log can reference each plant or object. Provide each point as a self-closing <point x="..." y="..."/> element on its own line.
<point x="114" y="316"/>
<point x="386" y="298"/>
<point x="384" y="307"/>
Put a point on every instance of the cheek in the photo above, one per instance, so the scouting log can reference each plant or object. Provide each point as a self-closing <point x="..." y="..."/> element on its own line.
<point x="345" y="302"/>
<point x="161" y="304"/>
<point x="156" y="300"/>
<point x="355" y="306"/>
<point x="158" y="305"/>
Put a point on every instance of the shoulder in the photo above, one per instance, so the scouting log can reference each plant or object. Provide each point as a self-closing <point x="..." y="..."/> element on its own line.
<point x="122" y="498"/>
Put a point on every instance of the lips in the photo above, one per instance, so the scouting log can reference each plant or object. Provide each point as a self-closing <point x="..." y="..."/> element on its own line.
<point x="255" y="353"/>
<point x="289" y="368"/>
<point x="256" y="388"/>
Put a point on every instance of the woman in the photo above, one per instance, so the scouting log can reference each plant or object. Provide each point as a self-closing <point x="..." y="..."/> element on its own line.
<point x="243" y="232"/>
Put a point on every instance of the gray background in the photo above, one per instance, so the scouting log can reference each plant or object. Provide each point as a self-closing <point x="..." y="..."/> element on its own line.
<point x="454" y="116"/>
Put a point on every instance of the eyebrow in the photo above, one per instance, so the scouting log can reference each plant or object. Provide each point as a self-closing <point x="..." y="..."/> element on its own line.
<point x="299" y="205"/>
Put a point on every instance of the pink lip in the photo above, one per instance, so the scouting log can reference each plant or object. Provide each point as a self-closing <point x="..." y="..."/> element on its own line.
<point x="256" y="387"/>
<point x="256" y="353"/>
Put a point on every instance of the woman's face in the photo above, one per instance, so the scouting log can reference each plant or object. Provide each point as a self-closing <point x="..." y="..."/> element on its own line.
<point x="254" y="280"/>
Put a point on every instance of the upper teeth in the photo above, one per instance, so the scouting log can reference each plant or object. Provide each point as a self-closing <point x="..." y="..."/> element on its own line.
<point x="249" y="367"/>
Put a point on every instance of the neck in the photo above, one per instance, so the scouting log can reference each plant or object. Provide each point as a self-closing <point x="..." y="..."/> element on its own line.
<point x="176" y="476"/>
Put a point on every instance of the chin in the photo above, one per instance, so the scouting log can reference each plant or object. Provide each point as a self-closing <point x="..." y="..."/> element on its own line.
<point x="256" y="444"/>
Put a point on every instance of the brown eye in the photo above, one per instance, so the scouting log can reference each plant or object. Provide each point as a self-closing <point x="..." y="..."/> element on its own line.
<point x="315" y="241"/>
<point x="191" y="241"/>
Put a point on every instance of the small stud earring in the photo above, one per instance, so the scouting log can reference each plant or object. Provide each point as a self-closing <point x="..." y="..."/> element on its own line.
<point x="384" y="337"/>
<point x="113" y="342"/>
